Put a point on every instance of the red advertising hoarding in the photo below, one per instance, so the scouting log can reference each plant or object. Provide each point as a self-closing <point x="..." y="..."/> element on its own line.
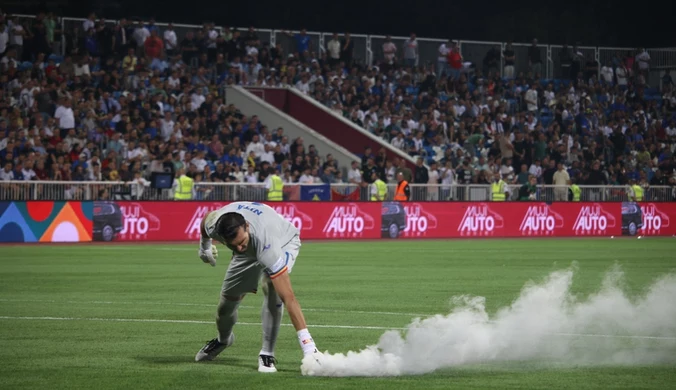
<point x="180" y="221"/>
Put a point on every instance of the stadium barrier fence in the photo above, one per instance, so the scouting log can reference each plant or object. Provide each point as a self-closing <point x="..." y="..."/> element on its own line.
<point x="92" y="190"/>
<point x="138" y="221"/>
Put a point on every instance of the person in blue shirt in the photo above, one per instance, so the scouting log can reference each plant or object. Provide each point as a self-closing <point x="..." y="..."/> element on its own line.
<point x="302" y="42"/>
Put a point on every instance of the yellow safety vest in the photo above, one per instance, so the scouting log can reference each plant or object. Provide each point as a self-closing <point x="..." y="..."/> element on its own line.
<point x="276" y="193"/>
<point x="577" y="192"/>
<point x="184" y="190"/>
<point x="638" y="192"/>
<point x="382" y="190"/>
<point x="498" y="191"/>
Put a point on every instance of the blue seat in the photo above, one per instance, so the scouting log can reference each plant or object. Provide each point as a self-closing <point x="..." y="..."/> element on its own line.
<point x="26" y="65"/>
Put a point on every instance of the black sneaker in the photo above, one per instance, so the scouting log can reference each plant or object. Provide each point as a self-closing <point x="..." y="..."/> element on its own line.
<point x="213" y="348"/>
<point x="266" y="363"/>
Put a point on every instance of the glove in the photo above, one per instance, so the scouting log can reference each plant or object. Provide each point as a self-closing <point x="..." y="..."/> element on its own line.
<point x="312" y="363"/>
<point x="209" y="255"/>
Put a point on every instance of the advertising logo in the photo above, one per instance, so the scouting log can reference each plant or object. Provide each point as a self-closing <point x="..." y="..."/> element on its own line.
<point x="418" y="220"/>
<point x="348" y="221"/>
<point x="653" y="219"/>
<point x="137" y="222"/>
<point x="593" y="220"/>
<point x="480" y="220"/>
<point x="297" y="218"/>
<point x="193" y="228"/>
<point x="540" y="221"/>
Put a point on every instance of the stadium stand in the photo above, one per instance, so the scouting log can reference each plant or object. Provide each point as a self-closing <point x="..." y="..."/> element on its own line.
<point x="130" y="98"/>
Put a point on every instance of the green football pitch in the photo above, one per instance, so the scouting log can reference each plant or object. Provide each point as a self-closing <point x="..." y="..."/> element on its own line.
<point x="133" y="316"/>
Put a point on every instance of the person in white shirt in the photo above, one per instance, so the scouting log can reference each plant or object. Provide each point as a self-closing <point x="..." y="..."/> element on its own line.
<point x="255" y="146"/>
<point x="399" y="142"/>
<point x="306" y="177"/>
<point x="433" y="182"/>
<point x="389" y="51"/>
<point x="535" y="169"/>
<point x="531" y="99"/>
<point x="607" y="74"/>
<point x="7" y="174"/>
<point x="16" y="37"/>
<point x="333" y="49"/>
<point x="90" y="22"/>
<point x="621" y="74"/>
<point x="166" y="126"/>
<point x="139" y="184"/>
<point x="250" y="176"/>
<point x="442" y="59"/>
<point x="447" y="174"/>
<point x="170" y="40"/>
<point x="303" y="84"/>
<point x="643" y="60"/>
<point x="268" y="155"/>
<point x="411" y="51"/>
<point x="27" y="171"/>
<point x="354" y="174"/>
<point x="64" y="114"/>
<point x="199" y="161"/>
<point x="140" y="35"/>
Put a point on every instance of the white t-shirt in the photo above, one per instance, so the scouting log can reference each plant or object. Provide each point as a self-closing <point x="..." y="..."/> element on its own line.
<point x="303" y="87"/>
<point x="389" y="47"/>
<point x="532" y="95"/>
<point x="433" y="176"/>
<point x="166" y="129"/>
<point x="354" y="175"/>
<point x="621" y="76"/>
<point x="643" y="60"/>
<point x="334" y="48"/>
<point x="199" y="163"/>
<point x="87" y="24"/>
<point x="251" y="178"/>
<point x="16" y="38"/>
<point x="6" y="176"/>
<point x="399" y="143"/>
<point x="447" y="177"/>
<point x="65" y="117"/>
<point x="443" y="53"/>
<point x="258" y="148"/>
<point x="170" y="39"/>
<point x="174" y="82"/>
<point x="28" y="174"/>
<point x="306" y="179"/>
<point x="82" y="70"/>
<point x="607" y="74"/>
<point x="140" y="36"/>
<point x="269" y="157"/>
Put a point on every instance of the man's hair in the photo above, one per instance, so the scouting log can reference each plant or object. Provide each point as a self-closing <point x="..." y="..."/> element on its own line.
<point x="228" y="225"/>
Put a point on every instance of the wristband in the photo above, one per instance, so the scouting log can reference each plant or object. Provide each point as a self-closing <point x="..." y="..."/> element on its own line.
<point x="307" y="344"/>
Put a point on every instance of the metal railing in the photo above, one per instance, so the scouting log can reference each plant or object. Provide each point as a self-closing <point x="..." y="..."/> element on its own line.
<point x="368" y="48"/>
<point x="79" y="190"/>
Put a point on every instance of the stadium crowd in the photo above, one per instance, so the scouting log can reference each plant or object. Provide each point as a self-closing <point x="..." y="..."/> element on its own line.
<point x="132" y="98"/>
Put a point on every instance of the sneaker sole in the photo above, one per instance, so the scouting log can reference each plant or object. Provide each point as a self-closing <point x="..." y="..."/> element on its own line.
<point x="267" y="370"/>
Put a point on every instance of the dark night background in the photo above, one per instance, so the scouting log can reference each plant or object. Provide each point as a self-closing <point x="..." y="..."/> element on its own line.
<point x="593" y="23"/>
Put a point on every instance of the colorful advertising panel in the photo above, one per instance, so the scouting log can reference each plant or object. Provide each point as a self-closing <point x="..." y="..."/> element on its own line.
<point x="45" y="221"/>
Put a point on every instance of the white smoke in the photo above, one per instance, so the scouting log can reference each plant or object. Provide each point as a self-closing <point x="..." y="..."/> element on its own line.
<point x="546" y="322"/>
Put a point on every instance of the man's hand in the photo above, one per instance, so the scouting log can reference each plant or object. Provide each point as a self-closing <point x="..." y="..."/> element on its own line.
<point x="209" y="256"/>
<point x="312" y="364"/>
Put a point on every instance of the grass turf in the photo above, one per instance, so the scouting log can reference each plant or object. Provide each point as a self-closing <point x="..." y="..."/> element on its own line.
<point x="352" y="284"/>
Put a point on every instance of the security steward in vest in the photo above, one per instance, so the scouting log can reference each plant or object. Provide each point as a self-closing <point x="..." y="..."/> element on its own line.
<point x="403" y="192"/>
<point x="274" y="185"/>
<point x="378" y="188"/>
<point x="635" y="192"/>
<point x="499" y="189"/>
<point x="575" y="193"/>
<point x="183" y="186"/>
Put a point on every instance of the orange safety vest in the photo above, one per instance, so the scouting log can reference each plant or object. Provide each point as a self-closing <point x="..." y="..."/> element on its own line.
<point x="400" y="195"/>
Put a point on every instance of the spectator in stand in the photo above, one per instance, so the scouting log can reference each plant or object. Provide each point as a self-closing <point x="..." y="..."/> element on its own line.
<point x="561" y="179"/>
<point x="389" y="54"/>
<point x="535" y="60"/>
<point x="410" y="50"/>
<point x="442" y="59"/>
<point x="510" y="58"/>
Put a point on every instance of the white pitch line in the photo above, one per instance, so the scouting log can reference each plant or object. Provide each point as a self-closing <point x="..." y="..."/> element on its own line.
<point x="182" y="322"/>
<point x="148" y="320"/>
<point x="389" y="313"/>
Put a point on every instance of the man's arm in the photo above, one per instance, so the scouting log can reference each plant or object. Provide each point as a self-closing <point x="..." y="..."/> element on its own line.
<point x="207" y="252"/>
<point x="282" y="285"/>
